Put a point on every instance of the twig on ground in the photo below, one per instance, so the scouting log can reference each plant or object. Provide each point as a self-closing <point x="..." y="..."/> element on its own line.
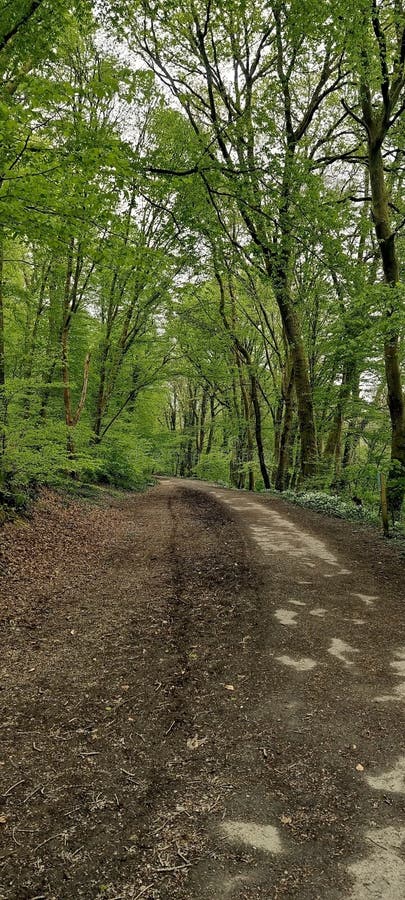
<point x="19" y="844"/>
<point x="215" y="803"/>
<point x="39" y="787"/>
<point x="160" y="827"/>
<point x="51" y="838"/>
<point x="27" y="830"/>
<point x="11" y="788"/>
<point x="143" y="891"/>
<point x="172" y="868"/>
<point x="6" y="856"/>
<point x="181" y="855"/>
<point x="377" y="844"/>
<point x="29" y="732"/>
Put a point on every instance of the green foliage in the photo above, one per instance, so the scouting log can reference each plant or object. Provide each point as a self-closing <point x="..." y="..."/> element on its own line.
<point x="214" y="467"/>
<point x="166" y="263"/>
<point x="123" y="463"/>
<point x="329" y="505"/>
<point x="39" y="457"/>
<point x="36" y="456"/>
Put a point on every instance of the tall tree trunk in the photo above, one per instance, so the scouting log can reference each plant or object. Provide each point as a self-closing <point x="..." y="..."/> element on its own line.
<point x="350" y="441"/>
<point x="190" y="426"/>
<point x="212" y="426"/>
<point x="71" y="418"/>
<point x="333" y="448"/>
<point x="389" y="258"/>
<point x="53" y="345"/>
<point x="70" y="304"/>
<point x="378" y="118"/>
<point x="306" y="416"/>
<point x="203" y="416"/>
<point x="278" y="424"/>
<point x="279" y="269"/>
<point x="236" y="460"/>
<point x="287" y="435"/>
<point x="244" y="443"/>
<point x="115" y="295"/>
<point x="3" y="400"/>
<point x="258" y="431"/>
<point x="295" y="478"/>
<point x="248" y="423"/>
<point x="32" y="341"/>
<point x="353" y="438"/>
<point x="100" y="401"/>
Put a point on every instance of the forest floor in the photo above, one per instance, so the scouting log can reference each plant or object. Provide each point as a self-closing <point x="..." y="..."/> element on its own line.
<point x="202" y="698"/>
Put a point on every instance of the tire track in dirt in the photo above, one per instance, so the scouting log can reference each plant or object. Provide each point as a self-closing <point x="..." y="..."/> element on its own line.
<point x="129" y="663"/>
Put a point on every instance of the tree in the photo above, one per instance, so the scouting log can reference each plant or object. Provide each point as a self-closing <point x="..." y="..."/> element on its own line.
<point x="381" y="82"/>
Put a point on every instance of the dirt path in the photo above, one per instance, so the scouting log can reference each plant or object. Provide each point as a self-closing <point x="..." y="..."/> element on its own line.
<point x="202" y="698"/>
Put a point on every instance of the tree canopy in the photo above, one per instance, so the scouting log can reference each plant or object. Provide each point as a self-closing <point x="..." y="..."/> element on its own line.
<point x="201" y="243"/>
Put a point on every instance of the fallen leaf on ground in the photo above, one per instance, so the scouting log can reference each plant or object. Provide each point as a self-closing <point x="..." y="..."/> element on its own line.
<point x="195" y="742"/>
<point x="286" y="820"/>
<point x="359" y="767"/>
<point x="229" y="687"/>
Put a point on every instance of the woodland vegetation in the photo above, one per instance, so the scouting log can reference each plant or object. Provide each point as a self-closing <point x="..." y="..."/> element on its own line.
<point x="202" y="243"/>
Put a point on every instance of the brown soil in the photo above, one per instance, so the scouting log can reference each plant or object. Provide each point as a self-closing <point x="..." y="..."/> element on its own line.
<point x="181" y="715"/>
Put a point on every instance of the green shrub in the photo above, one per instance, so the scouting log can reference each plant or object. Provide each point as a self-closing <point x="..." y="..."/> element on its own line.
<point x="329" y="505"/>
<point x="214" y="467"/>
<point x="39" y="456"/>
<point x="123" y="462"/>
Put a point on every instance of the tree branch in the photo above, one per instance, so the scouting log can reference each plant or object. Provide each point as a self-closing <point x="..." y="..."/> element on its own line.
<point x="8" y="36"/>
